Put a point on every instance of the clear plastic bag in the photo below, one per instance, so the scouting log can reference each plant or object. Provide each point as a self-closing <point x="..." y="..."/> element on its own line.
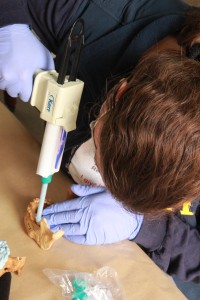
<point x="100" y="285"/>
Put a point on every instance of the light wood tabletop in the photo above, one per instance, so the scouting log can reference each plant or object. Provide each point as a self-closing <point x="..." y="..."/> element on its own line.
<point x="138" y="276"/>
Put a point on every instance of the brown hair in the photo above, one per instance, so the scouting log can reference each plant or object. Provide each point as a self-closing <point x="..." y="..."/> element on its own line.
<point x="150" y="138"/>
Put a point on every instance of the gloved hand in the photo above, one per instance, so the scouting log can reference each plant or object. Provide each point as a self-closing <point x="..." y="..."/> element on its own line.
<point x="95" y="217"/>
<point x="21" y="54"/>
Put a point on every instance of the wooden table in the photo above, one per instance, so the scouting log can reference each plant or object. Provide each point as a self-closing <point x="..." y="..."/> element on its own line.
<point x="139" y="277"/>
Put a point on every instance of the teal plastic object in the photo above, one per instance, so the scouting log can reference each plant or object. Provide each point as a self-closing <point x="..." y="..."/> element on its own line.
<point x="46" y="179"/>
<point x="79" y="285"/>
<point x="80" y="296"/>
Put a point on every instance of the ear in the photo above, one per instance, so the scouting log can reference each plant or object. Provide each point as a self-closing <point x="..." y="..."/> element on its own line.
<point x="195" y="40"/>
<point x="193" y="52"/>
<point x="121" y="90"/>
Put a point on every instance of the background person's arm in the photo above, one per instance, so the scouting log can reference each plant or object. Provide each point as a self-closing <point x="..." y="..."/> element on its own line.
<point x="173" y="245"/>
<point x="49" y="19"/>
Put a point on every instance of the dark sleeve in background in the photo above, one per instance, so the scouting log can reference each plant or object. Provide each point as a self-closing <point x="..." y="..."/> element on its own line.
<point x="13" y="12"/>
<point x="173" y="245"/>
<point x="49" y="19"/>
<point x="5" y="282"/>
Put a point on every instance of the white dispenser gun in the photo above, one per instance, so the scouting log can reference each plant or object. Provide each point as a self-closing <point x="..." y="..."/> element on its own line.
<point x="57" y="97"/>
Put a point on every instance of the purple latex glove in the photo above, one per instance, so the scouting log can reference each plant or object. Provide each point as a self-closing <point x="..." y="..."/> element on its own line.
<point x="93" y="218"/>
<point x="21" y="54"/>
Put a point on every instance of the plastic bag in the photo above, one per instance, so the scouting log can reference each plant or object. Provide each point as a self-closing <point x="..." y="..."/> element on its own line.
<point x="100" y="285"/>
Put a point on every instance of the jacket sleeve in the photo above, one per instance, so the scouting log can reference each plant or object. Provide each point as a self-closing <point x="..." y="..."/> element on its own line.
<point x="13" y="12"/>
<point x="173" y="245"/>
<point x="49" y="19"/>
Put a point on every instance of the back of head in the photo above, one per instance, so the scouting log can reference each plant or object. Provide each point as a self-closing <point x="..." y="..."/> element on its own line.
<point x="150" y="139"/>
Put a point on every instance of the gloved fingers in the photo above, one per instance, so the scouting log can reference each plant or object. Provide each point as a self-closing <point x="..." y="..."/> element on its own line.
<point x="74" y="229"/>
<point x="78" y="239"/>
<point x="49" y="62"/>
<point x="13" y="89"/>
<point x="85" y="190"/>
<point x="6" y="83"/>
<point x="26" y="90"/>
<point x="64" y="217"/>
<point x="3" y="84"/>
<point x="74" y="204"/>
<point x="54" y="228"/>
<point x="10" y="82"/>
<point x="8" y="74"/>
<point x="44" y="59"/>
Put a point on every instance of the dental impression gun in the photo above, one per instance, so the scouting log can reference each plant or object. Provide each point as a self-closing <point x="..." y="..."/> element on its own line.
<point x="57" y="97"/>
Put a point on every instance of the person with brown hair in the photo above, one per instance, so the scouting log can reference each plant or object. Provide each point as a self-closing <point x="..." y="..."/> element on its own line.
<point x="147" y="140"/>
<point x="153" y="133"/>
<point x="146" y="136"/>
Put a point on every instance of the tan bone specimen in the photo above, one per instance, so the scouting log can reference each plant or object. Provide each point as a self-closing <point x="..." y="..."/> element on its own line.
<point x="13" y="264"/>
<point x="40" y="232"/>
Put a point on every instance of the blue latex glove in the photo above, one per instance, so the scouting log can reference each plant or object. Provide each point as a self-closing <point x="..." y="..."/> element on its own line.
<point x="21" y="54"/>
<point x="93" y="218"/>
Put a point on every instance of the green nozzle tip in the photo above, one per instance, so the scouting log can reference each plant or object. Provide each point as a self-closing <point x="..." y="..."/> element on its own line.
<point x="47" y="179"/>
